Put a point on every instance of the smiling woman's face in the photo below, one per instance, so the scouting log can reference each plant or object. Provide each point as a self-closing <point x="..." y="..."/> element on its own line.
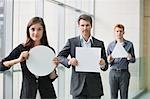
<point x="36" y="32"/>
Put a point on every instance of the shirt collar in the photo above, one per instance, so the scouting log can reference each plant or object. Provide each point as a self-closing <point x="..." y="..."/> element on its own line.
<point x="124" y="42"/>
<point x="82" y="39"/>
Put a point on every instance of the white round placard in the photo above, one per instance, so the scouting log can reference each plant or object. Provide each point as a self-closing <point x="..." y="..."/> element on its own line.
<point x="40" y="60"/>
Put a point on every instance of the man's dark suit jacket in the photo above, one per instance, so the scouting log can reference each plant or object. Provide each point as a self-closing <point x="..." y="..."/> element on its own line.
<point x="78" y="79"/>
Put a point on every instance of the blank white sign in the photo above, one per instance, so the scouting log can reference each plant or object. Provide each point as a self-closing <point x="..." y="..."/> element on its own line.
<point x="88" y="59"/>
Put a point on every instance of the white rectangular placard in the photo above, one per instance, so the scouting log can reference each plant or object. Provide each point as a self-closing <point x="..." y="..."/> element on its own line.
<point x="88" y="59"/>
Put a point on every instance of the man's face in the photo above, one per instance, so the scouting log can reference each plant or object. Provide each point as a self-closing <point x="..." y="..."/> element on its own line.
<point x="118" y="33"/>
<point x="85" y="27"/>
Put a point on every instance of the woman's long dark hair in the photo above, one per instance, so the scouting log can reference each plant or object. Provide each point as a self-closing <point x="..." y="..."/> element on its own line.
<point x="29" y="42"/>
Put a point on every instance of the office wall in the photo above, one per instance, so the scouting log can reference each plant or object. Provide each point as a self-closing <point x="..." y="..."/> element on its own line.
<point x="127" y="12"/>
<point x="147" y="41"/>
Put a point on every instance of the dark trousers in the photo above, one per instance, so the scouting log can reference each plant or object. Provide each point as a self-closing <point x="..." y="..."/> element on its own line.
<point x="119" y="81"/>
<point x="84" y="94"/>
<point x="85" y="97"/>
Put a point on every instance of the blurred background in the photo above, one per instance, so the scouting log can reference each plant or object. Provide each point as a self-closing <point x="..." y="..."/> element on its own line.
<point x="60" y="17"/>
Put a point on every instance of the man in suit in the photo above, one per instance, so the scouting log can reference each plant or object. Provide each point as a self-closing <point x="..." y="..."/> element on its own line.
<point x="84" y="85"/>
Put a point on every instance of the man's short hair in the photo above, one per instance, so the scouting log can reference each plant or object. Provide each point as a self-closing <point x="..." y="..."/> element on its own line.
<point x="85" y="17"/>
<point x="119" y="26"/>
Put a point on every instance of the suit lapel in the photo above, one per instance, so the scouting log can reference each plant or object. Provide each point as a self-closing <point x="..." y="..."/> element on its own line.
<point x="93" y="42"/>
<point x="77" y="42"/>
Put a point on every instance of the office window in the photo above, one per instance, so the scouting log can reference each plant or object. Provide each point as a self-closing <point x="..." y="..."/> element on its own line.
<point x="87" y="6"/>
<point x="51" y="18"/>
<point x="17" y="81"/>
<point x="73" y="3"/>
<point x="22" y="15"/>
<point x="1" y="28"/>
<point x="1" y="85"/>
<point x="24" y="10"/>
<point x="70" y="23"/>
<point x="1" y="43"/>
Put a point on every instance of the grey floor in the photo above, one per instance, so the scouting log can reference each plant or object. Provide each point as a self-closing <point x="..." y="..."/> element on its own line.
<point x="144" y="96"/>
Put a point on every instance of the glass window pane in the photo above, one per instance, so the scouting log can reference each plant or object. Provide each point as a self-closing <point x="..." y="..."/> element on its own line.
<point x="1" y="85"/>
<point x="72" y="3"/>
<point x="1" y="43"/>
<point x="88" y="6"/>
<point x="2" y="36"/>
<point x="61" y="1"/>
<point x="51" y="22"/>
<point x="17" y="82"/>
<point x="24" y="10"/>
<point x="22" y="15"/>
<point x="71" y="18"/>
<point x="51" y="16"/>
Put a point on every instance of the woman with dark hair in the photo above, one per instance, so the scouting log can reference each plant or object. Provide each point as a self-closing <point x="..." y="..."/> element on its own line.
<point x="36" y="35"/>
